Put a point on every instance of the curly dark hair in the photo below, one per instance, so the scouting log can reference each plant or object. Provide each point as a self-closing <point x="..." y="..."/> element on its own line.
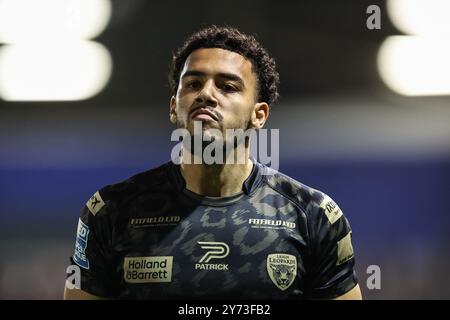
<point x="263" y="65"/>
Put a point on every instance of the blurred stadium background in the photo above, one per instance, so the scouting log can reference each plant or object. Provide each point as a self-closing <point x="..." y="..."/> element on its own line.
<point x="84" y="103"/>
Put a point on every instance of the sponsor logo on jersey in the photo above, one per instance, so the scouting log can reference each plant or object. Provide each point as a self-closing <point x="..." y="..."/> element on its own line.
<point x="214" y="250"/>
<point x="95" y="203"/>
<point x="271" y="224"/>
<point x="332" y="211"/>
<point x="282" y="269"/>
<point x="148" y="269"/>
<point x="161" y="221"/>
<point x="79" y="256"/>
<point x="345" y="249"/>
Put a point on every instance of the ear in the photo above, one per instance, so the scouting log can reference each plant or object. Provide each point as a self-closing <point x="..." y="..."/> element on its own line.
<point x="260" y="115"/>
<point x="173" y="112"/>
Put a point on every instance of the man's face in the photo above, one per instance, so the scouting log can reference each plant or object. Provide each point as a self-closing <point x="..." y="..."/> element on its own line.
<point x="218" y="82"/>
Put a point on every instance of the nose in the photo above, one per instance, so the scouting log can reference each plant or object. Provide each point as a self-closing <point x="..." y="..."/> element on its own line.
<point x="207" y="94"/>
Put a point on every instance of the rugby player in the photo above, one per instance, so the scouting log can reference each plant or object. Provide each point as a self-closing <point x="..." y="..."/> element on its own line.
<point x="222" y="230"/>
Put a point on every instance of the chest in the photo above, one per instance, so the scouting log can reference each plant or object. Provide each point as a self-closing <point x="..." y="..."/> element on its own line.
<point x="207" y="252"/>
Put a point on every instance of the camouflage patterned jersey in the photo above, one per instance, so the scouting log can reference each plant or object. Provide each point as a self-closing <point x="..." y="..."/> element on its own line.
<point x="150" y="238"/>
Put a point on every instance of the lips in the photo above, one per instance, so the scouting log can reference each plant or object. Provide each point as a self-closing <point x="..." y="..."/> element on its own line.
<point x="203" y="114"/>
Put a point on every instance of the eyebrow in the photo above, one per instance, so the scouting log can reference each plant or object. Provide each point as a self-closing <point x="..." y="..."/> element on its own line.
<point x="228" y="76"/>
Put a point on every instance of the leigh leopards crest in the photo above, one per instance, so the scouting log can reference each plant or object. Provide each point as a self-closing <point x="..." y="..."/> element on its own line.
<point x="282" y="269"/>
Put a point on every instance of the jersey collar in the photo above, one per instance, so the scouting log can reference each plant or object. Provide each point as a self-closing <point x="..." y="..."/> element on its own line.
<point x="249" y="186"/>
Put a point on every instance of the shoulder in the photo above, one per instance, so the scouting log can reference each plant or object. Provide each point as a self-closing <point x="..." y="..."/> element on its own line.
<point x="313" y="202"/>
<point x="124" y="192"/>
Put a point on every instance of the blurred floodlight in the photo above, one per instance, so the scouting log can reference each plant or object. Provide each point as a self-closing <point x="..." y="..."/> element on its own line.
<point x="38" y="20"/>
<point x="74" y="70"/>
<point x="415" y="65"/>
<point x="420" y="16"/>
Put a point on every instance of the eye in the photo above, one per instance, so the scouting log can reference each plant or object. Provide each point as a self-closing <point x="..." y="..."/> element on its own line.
<point x="229" y="88"/>
<point x="195" y="84"/>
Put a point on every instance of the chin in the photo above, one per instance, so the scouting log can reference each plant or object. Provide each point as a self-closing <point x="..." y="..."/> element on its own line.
<point x="205" y="126"/>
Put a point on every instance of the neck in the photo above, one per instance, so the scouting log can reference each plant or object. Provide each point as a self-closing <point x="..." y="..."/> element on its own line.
<point x="216" y="180"/>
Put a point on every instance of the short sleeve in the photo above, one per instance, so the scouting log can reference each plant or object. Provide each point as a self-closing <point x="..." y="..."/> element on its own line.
<point x="93" y="249"/>
<point x="332" y="266"/>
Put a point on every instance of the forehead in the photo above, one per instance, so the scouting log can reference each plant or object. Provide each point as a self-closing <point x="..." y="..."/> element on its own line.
<point x="216" y="60"/>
